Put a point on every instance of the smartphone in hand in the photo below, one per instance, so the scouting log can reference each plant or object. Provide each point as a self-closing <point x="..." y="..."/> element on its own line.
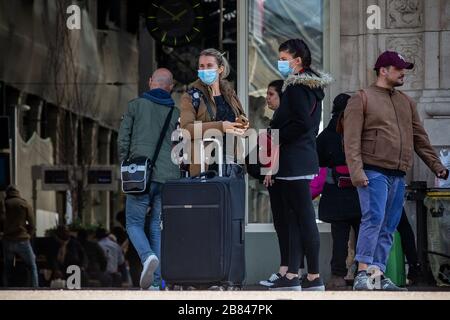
<point x="242" y="120"/>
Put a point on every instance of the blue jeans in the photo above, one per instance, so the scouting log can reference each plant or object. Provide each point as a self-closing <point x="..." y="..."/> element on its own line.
<point x="144" y="229"/>
<point x="381" y="208"/>
<point x="24" y="250"/>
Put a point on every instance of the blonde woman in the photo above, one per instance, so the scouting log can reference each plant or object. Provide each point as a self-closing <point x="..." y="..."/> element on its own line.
<point x="212" y="103"/>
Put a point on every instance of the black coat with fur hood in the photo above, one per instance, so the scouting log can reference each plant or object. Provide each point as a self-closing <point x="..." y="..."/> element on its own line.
<point x="298" y="120"/>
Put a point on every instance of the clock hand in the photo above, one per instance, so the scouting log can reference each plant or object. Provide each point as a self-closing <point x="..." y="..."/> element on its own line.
<point x="178" y="16"/>
<point x="167" y="11"/>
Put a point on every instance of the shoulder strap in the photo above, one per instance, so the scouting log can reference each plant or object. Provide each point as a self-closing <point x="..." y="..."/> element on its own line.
<point x="340" y="120"/>
<point x="208" y="107"/>
<point x="162" y="135"/>
<point x="195" y="96"/>
<point x="363" y="95"/>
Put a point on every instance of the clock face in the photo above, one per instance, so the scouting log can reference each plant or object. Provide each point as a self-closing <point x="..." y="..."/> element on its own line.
<point x="175" y="22"/>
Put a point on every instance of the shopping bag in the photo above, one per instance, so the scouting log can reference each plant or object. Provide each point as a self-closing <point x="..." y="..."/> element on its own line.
<point x="445" y="159"/>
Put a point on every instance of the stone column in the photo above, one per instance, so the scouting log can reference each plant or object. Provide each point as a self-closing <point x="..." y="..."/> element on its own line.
<point x="434" y="103"/>
<point x="103" y="210"/>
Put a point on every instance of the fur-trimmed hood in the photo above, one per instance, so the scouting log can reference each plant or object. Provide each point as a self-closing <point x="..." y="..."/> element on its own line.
<point x="308" y="79"/>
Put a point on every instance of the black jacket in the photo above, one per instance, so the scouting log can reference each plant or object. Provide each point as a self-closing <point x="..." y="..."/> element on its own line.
<point x="336" y="204"/>
<point x="298" y="120"/>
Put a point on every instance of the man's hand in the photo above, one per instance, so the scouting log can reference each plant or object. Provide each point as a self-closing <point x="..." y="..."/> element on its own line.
<point x="443" y="174"/>
<point x="362" y="183"/>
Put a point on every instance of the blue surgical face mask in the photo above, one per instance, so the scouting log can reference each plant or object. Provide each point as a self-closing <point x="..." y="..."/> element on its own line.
<point x="208" y="76"/>
<point x="284" y="67"/>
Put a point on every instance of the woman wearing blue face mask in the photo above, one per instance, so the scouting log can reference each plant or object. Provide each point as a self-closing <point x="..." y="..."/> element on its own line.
<point x="211" y="103"/>
<point x="297" y="120"/>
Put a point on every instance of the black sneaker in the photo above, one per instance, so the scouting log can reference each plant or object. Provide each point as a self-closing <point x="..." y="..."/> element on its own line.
<point x="284" y="284"/>
<point x="314" y="285"/>
<point x="388" y="285"/>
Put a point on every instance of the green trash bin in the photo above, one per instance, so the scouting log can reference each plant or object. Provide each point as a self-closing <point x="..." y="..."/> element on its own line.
<point x="395" y="269"/>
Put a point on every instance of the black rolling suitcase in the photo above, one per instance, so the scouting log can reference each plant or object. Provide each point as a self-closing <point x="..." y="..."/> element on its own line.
<point x="203" y="231"/>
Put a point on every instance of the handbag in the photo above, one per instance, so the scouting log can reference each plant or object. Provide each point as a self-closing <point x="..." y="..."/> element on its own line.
<point x="265" y="147"/>
<point x="341" y="177"/>
<point x="136" y="173"/>
<point x="262" y="149"/>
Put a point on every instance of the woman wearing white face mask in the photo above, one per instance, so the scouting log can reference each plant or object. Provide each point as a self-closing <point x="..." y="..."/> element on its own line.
<point x="212" y="101"/>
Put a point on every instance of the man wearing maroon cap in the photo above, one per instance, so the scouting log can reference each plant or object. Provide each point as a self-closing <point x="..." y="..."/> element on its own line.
<point x="382" y="128"/>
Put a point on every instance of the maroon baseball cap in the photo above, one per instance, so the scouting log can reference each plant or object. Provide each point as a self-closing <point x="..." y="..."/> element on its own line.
<point x="392" y="58"/>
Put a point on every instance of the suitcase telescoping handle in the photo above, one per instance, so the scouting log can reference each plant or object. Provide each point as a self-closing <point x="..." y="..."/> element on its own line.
<point x="203" y="155"/>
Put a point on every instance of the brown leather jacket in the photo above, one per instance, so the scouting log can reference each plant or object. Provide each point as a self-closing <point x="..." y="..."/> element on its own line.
<point x="385" y="133"/>
<point x="188" y="115"/>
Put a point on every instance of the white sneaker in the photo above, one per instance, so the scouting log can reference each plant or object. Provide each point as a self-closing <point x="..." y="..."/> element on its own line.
<point x="149" y="268"/>
<point x="268" y="283"/>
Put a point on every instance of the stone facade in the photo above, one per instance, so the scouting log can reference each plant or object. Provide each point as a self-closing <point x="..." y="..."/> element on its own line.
<point x="417" y="29"/>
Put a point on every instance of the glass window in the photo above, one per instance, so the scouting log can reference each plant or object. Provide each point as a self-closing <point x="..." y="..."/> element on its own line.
<point x="272" y="22"/>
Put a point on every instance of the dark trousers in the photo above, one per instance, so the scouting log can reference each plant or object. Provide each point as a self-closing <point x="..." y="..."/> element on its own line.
<point x="340" y="231"/>
<point x="280" y="221"/>
<point x="408" y="240"/>
<point x="303" y="232"/>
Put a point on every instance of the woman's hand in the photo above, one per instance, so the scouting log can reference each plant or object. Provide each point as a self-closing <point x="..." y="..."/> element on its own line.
<point x="233" y="128"/>
<point x="268" y="181"/>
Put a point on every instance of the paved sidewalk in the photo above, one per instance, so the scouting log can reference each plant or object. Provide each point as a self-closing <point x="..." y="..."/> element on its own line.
<point x="121" y="294"/>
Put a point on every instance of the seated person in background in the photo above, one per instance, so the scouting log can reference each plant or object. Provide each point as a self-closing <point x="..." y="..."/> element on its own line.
<point x="114" y="256"/>
<point x="96" y="268"/>
<point x="64" y="251"/>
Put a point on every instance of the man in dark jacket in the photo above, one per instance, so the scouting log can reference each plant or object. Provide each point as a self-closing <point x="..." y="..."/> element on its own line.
<point x="138" y="136"/>
<point x="18" y="224"/>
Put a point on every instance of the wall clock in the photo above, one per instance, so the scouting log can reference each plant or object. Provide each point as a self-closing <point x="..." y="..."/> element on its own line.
<point x="175" y="22"/>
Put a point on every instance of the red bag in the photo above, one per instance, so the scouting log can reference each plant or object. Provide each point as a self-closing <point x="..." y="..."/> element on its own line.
<point x="341" y="176"/>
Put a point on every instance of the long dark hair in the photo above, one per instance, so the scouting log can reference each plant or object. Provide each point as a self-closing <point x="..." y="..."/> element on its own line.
<point x="299" y="48"/>
<point x="277" y="85"/>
